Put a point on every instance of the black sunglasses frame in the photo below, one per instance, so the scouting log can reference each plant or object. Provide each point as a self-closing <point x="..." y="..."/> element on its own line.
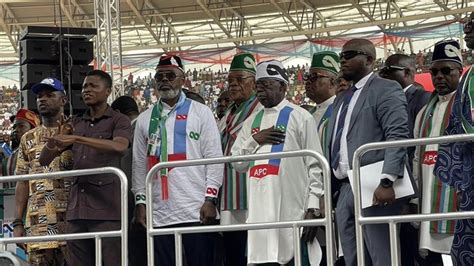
<point x="444" y="70"/>
<point x="348" y="55"/>
<point x="388" y="69"/>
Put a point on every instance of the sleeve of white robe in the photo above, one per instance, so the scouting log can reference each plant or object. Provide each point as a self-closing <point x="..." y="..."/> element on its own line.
<point x="244" y="144"/>
<point x="139" y="160"/>
<point x="310" y="140"/>
<point x="416" y="157"/>
<point x="211" y="148"/>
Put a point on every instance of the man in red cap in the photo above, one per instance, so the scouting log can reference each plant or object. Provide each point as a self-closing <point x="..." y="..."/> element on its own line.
<point x="24" y="120"/>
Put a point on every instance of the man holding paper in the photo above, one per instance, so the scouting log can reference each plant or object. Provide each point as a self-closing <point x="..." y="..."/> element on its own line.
<point x="371" y="110"/>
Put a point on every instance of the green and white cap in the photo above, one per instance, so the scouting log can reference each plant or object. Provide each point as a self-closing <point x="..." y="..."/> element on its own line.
<point x="244" y="62"/>
<point x="326" y="61"/>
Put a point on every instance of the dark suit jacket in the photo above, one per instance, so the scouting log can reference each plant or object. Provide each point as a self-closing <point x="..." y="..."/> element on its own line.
<point x="417" y="97"/>
<point x="380" y="114"/>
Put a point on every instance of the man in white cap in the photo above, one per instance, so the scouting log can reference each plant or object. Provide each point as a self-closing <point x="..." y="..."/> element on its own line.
<point x="436" y="237"/>
<point x="278" y="189"/>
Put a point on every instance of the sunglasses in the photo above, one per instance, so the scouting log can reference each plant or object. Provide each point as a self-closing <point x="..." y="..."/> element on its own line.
<point x="388" y="69"/>
<point x="267" y="82"/>
<point x="170" y="76"/>
<point x="313" y="77"/>
<point x="347" y="55"/>
<point x="238" y="79"/>
<point x="467" y="27"/>
<point x="444" y="71"/>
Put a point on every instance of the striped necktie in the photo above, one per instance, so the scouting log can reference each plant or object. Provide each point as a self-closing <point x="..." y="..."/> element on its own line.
<point x="336" y="155"/>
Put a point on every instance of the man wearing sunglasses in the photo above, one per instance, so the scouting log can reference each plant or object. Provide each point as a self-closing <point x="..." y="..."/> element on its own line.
<point x="373" y="109"/>
<point x="320" y="84"/>
<point x="446" y="68"/>
<point x="279" y="189"/>
<point x="455" y="160"/>
<point x="177" y="128"/>
<point x="234" y="193"/>
<point x="401" y="68"/>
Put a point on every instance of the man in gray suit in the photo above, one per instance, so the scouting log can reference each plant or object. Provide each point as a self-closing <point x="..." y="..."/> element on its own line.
<point x="373" y="109"/>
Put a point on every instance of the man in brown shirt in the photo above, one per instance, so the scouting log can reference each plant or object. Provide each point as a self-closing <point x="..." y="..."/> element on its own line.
<point x="101" y="137"/>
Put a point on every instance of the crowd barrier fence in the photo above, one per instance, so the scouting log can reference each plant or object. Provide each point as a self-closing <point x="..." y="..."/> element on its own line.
<point x="296" y="225"/>
<point x="395" y="219"/>
<point x="97" y="236"/>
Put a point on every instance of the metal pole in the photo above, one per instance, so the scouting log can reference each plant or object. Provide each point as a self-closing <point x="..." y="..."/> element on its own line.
<point x="242" y="158"/>
<point x="384" y="145"/>
<point x="98" y="250"/>
<point x="393" y="242"/>
<point x="123" y="232"/>
<point x="297" y="244"/>
<point x="149" y="221"/>
<point x="178" y="245"/>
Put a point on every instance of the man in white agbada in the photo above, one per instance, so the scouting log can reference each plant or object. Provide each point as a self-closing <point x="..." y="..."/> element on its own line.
<point x="436" y="197"/>
<point x="176" y="128"/>
<point x="279" y="189"/>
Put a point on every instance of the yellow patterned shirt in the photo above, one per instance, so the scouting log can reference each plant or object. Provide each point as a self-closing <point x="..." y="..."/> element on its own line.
<point x="47" y="202"/>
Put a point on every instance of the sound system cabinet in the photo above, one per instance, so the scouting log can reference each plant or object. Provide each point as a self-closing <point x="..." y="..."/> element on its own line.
<point x="58" y="52"/>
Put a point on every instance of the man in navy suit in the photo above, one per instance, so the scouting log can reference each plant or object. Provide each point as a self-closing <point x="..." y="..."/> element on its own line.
<point x="402" y="68"/>
<point x="373" y="109"/>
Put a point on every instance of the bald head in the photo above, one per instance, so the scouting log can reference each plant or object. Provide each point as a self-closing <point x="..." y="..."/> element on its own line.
<point x="361" y="45"/>
<point x="357" y="59"/>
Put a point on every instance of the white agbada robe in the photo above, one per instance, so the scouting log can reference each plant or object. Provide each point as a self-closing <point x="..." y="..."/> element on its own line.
<point x="439" y="243"/>
<point x="282" y="197"/>
<point x="320" y="109"/>
<point x="187" y="185"/>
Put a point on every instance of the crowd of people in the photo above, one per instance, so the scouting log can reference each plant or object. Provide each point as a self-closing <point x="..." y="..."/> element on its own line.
<point x="353" y="104"/>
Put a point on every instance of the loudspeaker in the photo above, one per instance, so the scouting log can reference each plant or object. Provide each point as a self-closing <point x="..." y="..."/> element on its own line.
<point x="38" y="51"/>
<point x="46" y="51"/>
<point x="31" y="74"/>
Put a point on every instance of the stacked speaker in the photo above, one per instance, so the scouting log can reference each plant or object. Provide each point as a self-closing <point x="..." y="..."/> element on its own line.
<point x="62" y="53"/>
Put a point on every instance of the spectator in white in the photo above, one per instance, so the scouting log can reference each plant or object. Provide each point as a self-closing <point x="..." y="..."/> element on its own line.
<point x="177" y="128"/>
<point x="436" y="237"/>
<point x="279" y="189"/>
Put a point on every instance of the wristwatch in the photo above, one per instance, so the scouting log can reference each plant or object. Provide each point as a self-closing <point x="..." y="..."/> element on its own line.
<point x="211" y="199"/>
<point x="315" y="212"/>
<point x="386" y="183"/>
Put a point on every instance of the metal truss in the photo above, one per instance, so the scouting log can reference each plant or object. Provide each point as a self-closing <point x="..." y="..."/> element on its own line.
<point x="202" y="24"/>
<point x="108" y="42"/>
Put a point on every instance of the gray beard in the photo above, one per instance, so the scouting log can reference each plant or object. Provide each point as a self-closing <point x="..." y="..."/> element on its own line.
<point x="169" y="94"/>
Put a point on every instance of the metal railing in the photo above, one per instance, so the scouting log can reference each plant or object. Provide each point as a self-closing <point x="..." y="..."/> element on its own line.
<point x="296" y="225"/>
<point x="123" y="232"/>
<point x="395" y="219"/>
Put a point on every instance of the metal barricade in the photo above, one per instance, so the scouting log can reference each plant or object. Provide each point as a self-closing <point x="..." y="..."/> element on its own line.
<point x="395" y="219"/>
<point x="177" y="232"/>
<point x="123" y="232"/>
